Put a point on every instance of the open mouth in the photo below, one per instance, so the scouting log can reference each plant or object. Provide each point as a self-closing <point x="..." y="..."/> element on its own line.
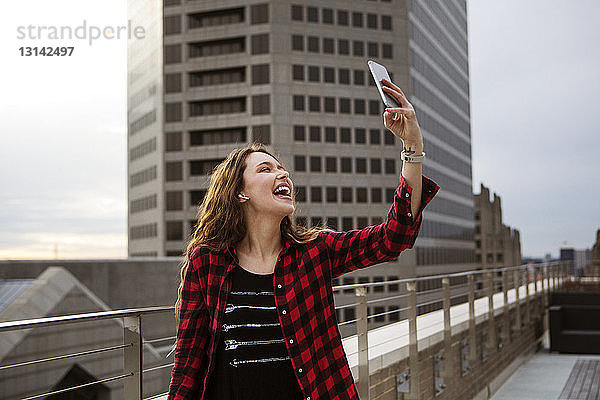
<point x="283" y="192"/>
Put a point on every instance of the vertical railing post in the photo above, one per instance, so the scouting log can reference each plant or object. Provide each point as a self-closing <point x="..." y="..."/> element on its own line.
<point x="545" y="294"/>
<point x="363" y="344"/>
<point x="505" y="316"/>
<point x="527" y="298"/>
<point x="413" y="351"/>
<point x="448" y="357"/>
<point x="517" y="285"/>
<point x="132" y="357"/>
<point x="472" y="327"/>
<point x="491" y="337"/>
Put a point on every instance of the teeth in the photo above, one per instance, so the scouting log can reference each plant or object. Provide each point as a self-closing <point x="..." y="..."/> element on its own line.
<point x="282" y="189"/>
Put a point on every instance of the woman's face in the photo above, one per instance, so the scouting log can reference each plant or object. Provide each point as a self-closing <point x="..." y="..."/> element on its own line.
<point x="262" y="175"/>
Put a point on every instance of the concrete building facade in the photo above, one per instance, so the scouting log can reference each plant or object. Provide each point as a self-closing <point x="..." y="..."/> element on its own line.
<point x="497" y="245"/>
<point x="212" y="76"/>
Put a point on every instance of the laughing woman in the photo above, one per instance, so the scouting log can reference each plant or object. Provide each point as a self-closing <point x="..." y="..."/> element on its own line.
<point x="255" y="313"/>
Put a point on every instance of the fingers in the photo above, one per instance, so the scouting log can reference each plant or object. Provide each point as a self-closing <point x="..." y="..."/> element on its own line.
<point x="395" y="91"/>
<point x="407" y="112"/>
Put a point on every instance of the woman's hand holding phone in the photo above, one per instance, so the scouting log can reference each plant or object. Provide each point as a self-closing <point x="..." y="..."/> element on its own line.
<point x="402" y="121"/>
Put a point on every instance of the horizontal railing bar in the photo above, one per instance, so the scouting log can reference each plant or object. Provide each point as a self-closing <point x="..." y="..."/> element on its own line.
<point x="114" y="378"/>
<point x="160" y="339"/>
<point x="158" y="367"/>
<point x="388" y="298"/>
<point x="68" y="319"/>
<point x="83" y="353"/>
<point x="157" y="396"/>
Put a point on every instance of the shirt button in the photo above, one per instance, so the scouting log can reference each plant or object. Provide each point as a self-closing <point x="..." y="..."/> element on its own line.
<point x="291" y="340"/>
<point x="407" y="195"/>
<point x="300" y="370"/>
<point x="279" y="286"/>
<point x="409" y="214"/>
<point x="308" y="398"/>
<point x="284" y="312"/>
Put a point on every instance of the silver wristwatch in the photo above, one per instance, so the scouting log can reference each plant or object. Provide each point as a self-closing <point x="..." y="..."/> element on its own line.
<point x="408" y="158"/>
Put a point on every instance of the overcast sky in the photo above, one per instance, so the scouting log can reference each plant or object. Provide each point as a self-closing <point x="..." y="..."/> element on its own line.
<point x="534" y="117"/>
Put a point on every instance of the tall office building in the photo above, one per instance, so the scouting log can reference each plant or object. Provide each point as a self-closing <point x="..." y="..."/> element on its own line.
<point x="214" y="75"/>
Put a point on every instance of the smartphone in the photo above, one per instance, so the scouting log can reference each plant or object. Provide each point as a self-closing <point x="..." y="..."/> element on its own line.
<point x="379" y="72"/>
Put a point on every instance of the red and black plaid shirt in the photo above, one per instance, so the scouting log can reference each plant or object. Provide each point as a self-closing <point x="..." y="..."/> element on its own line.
<point x="303" y="296"/>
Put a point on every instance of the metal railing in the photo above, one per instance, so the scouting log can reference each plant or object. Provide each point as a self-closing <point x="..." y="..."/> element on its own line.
<point x="545" y="277"/>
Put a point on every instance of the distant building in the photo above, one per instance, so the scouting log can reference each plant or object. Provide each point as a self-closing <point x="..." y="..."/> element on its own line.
<point x="595" y="268"/>
<point x="496" y="245"/>
<point x="580" y="259"/>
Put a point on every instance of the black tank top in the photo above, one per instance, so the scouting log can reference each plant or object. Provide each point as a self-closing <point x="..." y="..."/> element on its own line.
<point x="252" y="361"/>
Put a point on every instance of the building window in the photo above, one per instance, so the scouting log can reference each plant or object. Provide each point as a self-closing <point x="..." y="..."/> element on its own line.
<point x="172" y="53"/>
<point x="389" y="194"/>
<point x="372" y="21"/>
<point x="218" y="106"/>
<point x="390" y="166"/>
<point x="315" y="134"/>
<point x="260" y="74"/>
<point x="374" y="108"/>
<point x="343" y="47"/>
<point x="142" y="149"/>
<point x="301" y="221"/>
<point x="313" y="44"/>
<point x="301" y="196"/>
<point x="372" y="49"/>
<point x="330" y="134"/>
<point x="331" y="193"/>
<point x="359" y="106"/>
<point x="329" y="104"/>
<point x="375" y="165"/>
<point x="346" y="195"/>
<point x="357" y="19"/>
<point x="329" y="75"/>
<point x="298" y="72"/>
<point x="347" y="223"/>
<point x="261" y="133"/>
<point x="261" y="104"/>
<point x="386" y="22"/>
<point x="327" y="15"/>
<point x="299" y="133"/>
<point x="259" y="14"/>
<point x="173" y="25"/>
<point x="215" y="18"/>
<point x="328" y="46"/>
<point x="143" y="204"/>
<point x="312" y="14"/>
<point x="345" y="135"/>
<point x="298" y="103"/>
<point x="359" y="77"/>
<point x="300" y="163"/>
<point x="217" y="136"/>
<point x="314" y="74"/>
<point x="386" y="50"/>
<point x="217" y="77"/>
<point x="375" y="136"/>
<point x="174" y="171"/>
<point x="142" y="177"/>
<point x="342" y="17"/>
<point x="361" y="165"/>
<point x="332" y="222"/>
<point x="346" y="164"/>
<point x="314" y="103"/>
<point x="360" y="136"/>
<point x="173" y="112"/>
<point x="203" y="167"/>
<point x="316" y="194"/>
<point x="361" y="195"/>
<point x="173" y="141"/>
<point x="344" y="76"/>
<point x="379" y="310"/>
<point x="143" y="231"/>
<point x="315" y="164"/>
<point x="298" y="42"/>
<point x="217" y="47"/>
<point x="378" y="288"/>
<point x="260" y="43"/>
<point x="173" y="83"/>
<point x="174" y="230"/>
<point x="330" y="164"/>
<point x="375" y="195"/>
<point x="196" y="197"/>
<point x="358" y="48"/>
<point x="297" y="13"/>
<point x="174" y="200"/>
<point x="344" y="105"/>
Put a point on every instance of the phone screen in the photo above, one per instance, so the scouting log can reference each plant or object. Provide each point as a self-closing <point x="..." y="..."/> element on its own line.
<point x="379" y="72"/>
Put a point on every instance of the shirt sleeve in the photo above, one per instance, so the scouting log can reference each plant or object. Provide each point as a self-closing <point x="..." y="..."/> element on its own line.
<point x="360" y="248"/>
<point x="192" y="339"/>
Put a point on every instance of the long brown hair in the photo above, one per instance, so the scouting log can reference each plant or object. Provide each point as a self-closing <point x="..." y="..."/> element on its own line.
<point x="220" y="218"/>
